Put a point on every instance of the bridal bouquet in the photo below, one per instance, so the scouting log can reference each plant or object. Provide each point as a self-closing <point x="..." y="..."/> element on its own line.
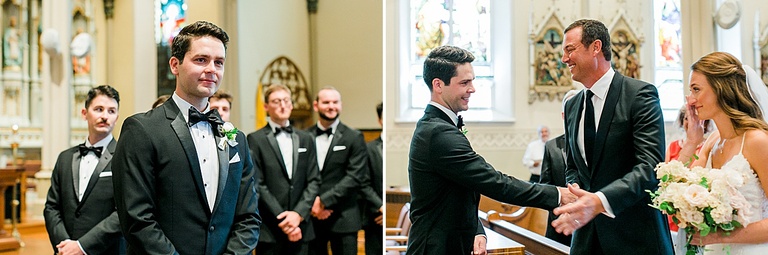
<point x="700" y="199"/>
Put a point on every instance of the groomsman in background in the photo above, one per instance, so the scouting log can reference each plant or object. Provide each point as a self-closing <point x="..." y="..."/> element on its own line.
<point x="289" y="179"/>
<point x="553" y="171"/>
<point x="373" y="206"/>
<point x="80" y="211"/>
<point x="534" y="153"/>
<point x="221" y="101"/>
<point x="343" y="159"/>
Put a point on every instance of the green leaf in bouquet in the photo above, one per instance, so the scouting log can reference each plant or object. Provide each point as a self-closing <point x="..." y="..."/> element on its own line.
<point x="703" y="182"/>
<point x="704" y="229"/>
<point x="665" y="178"/>
<point x="728" y="227"/>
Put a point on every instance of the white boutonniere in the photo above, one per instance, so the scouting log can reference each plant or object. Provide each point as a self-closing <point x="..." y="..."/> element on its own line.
<point x="229" y="133"/>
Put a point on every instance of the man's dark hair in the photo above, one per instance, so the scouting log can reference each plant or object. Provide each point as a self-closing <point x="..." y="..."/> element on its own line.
<point x="221" y="94"/>
<point x="181" y="42"/>
<point x="592" y="30"/>
<point x="442" y="62"/>
<point x="379" y="108"/>
<point x="106" y="90"/>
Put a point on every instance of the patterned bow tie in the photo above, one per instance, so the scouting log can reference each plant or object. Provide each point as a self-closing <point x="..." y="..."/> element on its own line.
<point x="320" y="132"/>
<point x="287" y="129"/>
<point x="212" y="117"/>
<point x="85" y="149"/>
<point x="460" y="123"/>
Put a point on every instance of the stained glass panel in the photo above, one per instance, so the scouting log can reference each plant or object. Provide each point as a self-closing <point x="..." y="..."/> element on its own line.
<point x="170" y="16"/>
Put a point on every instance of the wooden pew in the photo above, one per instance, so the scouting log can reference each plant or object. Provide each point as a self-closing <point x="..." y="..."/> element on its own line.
<point x="533" y="242"/>
<point x="530" y="218"/>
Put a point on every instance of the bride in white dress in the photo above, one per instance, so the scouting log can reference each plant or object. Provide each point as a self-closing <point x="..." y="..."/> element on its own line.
<point x="720" y="91"/>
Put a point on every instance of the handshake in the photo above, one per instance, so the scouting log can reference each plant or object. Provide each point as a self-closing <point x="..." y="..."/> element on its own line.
<point x="577" y="207"/>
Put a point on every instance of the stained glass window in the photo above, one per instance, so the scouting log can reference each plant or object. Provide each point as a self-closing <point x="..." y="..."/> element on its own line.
<point x="465" y="24"/>
<point x="170" y="16"/>
<point x="668" y="57"/>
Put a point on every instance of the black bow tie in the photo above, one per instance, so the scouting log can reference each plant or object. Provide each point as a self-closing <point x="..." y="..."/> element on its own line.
<point x="460" y="123"/>
<point x="85" y="149"/>
<point x="287" y="129"/>
<point x="212" y="117"/>
<point x="320" y="132"/>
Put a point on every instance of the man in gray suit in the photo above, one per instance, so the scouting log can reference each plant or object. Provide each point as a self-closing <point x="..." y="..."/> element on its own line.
<point x="615" y="138"/>
<point x="80" y="211"/>
<point x="447" y="176"/>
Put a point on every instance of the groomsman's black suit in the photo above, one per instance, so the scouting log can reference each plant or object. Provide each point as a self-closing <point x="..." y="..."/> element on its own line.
<point x="373" y="192"/>
<point x="447" y="178"/>
<point x="277" y="193"/>
<point x="93" y="220"/>
<point x="553" y="173"/>
<point x="160" y="196"/>
<point x="342" y="175"/>
<point x="628" y="145"/>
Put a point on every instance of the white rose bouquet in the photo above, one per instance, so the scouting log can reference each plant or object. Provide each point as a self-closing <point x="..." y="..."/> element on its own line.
<point x="700" y="199"/>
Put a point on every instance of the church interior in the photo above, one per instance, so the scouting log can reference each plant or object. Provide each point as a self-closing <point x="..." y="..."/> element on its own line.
<point x="54" y="51"/>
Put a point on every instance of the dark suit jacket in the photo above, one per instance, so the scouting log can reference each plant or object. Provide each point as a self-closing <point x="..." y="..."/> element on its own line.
<point x="343" y="173"/>
<point x="277" y="193"/>
<point x="373" y="189"/>
<point x="160" y="196"/>
<point x="447" y="178"/>
<point x="553" y="172"/>
<point x="628" y="145"/>
<point x="92" y="221"/>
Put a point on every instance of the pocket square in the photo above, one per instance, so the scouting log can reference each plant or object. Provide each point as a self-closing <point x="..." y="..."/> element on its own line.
<point x="105" y="174"/>
<point x="235" y="159"/>
<point x="339" y="148"/>
<point x="302" y="150"/>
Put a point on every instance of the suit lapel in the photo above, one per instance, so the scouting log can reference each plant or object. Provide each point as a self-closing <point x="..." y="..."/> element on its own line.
<point x="223" y="169"/>
<point x="106" y="156"/>
<point x="573" y="130"/>
<point x="276" y="149"/>
<point x="606" y="117"/>
<point x="295" y="151"/>
<point x="337" y="135"/>
<point x="180" y="127"/>
<point x="76" y="172"/>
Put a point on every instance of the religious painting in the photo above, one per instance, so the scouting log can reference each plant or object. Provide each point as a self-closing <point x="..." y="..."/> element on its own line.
<point x="552" y="78"/>
<point x="625" y="47"/>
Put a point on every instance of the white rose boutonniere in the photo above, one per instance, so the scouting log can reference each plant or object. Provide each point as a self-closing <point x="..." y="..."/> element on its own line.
<point x="229" y="133"/>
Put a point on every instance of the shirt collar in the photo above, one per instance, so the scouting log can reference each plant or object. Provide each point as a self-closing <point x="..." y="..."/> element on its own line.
<point x="451" y="114"/>
<point x="333" y="125"/>
<point x="184" y="106"/>
<point x="273" y="125"/>
<point x="601" y="86"/>
<point x="101" y="143"/>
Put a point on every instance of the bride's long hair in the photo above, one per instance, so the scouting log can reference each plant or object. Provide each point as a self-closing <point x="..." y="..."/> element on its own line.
<point x="728" y="81"/>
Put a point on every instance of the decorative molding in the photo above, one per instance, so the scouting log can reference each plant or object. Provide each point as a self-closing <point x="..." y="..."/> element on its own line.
<point x="312" y="6"/>
<point x="551" y="78"/>
<point x="479" y="139"/>
<point x="109" y="8"/>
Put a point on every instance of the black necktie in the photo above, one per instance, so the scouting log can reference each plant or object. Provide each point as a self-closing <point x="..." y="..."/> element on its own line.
<point x="287" y="130"/>
<point x="589" y="127"/>
<point x="212" y="117"/>
<point x="460" y="123"/>
<point x="85" y="149"/>
<point x="320" y="132"/>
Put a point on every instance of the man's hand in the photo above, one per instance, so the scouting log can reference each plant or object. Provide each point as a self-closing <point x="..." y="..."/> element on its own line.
<point x="69" y="247"/>
<point x="319" y="211"/>
<point x="295" y="235"/>
<point x="290" y="221"/>
<point x="536" y="163"/>
<point x="566" y="197"/>
<point x="380" y="219"/>
<point x="479" y="246"/>
<point x="575" y="215"/>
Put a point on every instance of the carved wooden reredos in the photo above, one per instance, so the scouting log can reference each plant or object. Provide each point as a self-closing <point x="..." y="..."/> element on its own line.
<point x="283" y="71"/>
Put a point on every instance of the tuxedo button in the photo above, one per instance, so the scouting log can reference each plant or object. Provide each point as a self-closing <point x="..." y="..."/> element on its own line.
<point x="211" y="229"/>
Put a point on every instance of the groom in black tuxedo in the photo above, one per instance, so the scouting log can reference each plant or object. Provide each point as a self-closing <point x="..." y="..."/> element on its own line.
<point x="447" y="176"/>
<point x="184" y="180"/>
<point x="615" y="138"/>
<point x="80" y="211"/>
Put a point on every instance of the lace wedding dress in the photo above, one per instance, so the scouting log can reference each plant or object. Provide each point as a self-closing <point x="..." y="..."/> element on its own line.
<point x="753" y="193"/>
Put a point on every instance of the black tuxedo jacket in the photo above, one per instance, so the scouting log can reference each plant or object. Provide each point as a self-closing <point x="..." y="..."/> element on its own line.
<point x="628" y="145"/>
<point x="343" y="174"/>
<point x="277" y="193"/>
<point x="160" y="196"/>
<point x="553" y="172"/>
<point x="373" y="189"/>
<point x="93" y="220"/>
<point x="447" y="178"/>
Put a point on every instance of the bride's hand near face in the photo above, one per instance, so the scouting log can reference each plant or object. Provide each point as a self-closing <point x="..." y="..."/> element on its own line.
<point x="695" y="129"/>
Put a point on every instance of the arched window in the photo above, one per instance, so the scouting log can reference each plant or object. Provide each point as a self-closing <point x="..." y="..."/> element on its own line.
<point x="170" y="16"/>
<point x="668" y="64"/>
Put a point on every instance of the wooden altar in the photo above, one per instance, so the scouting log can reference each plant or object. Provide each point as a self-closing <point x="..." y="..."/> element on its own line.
<point x="9" y="176"/>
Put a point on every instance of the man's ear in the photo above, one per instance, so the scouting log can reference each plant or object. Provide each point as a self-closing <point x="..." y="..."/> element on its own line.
<point x="84" y="112"/>
<point x="437" y="85"/>
<point x="597" y="45"/>
<point x="174" y="63"/>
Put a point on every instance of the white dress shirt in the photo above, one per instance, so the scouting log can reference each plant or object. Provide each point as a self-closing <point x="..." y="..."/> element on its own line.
<point x="88" y="165"/>
<point x="205" y="145"/>
<point x="285" y="143"/>
<point x="323" y="143"/>
<point x="600" y="89"/>
<point x="534" y="152"/>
